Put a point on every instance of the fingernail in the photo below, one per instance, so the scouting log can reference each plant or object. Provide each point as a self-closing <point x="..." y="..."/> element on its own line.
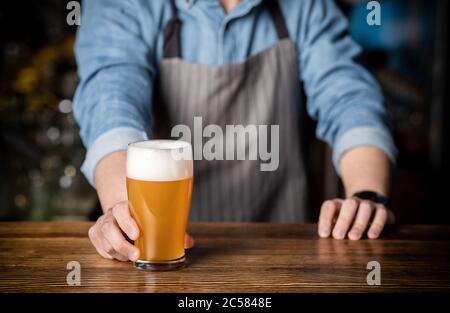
<point x="355" y="234"/>
<point x="339" y="233"/>
<point x="324" y="232"/>
<point x="374" y="234"/>
<point x="134" y="234"/>
<point x="133" y="255"/>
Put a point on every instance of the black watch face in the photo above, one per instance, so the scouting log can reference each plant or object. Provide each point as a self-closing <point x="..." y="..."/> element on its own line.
<point x="373" y="196"/>
<point x="366" y="195"/>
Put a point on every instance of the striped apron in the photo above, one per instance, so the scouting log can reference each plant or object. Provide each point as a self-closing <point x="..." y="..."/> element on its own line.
<point x="263" y="90"/>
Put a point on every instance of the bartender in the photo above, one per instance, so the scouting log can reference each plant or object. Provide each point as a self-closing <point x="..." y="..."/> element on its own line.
<point x="148" y="66"/>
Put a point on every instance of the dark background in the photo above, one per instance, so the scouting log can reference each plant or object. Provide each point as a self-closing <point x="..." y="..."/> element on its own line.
<point x="41" y="152"/>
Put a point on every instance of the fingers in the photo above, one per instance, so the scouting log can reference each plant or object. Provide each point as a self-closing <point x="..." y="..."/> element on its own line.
<point x="354" y="217"/>
<point x="345" y="219"/>
<point x="188" y="241"/>
<point x="362" y="219"/>
<point x="328" y="211"/>
<point x="378" y="223"/>
<point x="107" y="237"/>
<point x="123" y="250"/>
<point x="110" y="250"/>
<point x="98" y="243"/>
<point x="122" y="215"/>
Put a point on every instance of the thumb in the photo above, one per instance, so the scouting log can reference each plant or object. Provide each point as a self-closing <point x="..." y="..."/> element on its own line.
<point x="188" y="241"/>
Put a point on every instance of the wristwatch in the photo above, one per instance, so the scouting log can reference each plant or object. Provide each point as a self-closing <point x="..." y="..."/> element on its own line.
<point x="374" y="197"/>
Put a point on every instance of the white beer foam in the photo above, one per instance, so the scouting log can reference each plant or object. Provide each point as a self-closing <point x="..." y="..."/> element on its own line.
<point x="159" y="160"/>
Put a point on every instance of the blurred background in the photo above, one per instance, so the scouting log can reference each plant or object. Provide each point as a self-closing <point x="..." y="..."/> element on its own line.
<point x="41" y="152"/>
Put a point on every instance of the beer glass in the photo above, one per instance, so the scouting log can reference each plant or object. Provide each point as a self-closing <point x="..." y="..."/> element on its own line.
<point x="159" y="185"/>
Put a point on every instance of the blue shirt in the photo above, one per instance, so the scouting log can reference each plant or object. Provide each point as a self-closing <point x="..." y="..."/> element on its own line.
<point x="119" y="49"/>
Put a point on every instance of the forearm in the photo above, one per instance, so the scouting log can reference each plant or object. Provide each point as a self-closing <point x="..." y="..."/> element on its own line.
<point x="117" y="79"/>
<point x="110" y="179"/>
<point x="365" y="168"/>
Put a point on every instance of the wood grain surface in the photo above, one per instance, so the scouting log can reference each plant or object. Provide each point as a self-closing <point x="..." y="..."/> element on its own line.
<point x="230" y="257"/>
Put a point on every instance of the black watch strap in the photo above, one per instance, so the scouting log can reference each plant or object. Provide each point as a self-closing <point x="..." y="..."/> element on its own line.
<point x="374" y="197"/>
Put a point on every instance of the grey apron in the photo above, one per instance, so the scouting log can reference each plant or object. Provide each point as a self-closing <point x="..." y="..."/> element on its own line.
<point x="263" y="90"/>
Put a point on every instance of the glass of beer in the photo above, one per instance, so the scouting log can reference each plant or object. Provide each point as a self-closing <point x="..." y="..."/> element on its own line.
<point x="159" y="186"/>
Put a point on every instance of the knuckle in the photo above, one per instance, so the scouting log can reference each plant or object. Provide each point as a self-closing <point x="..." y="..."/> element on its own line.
<point x="377" y="226"/>
<point x="122" y="248"/>
<point x="352" y="202"/>
<point x="110" y="250"/>
<point x="359" y="227"/>
<point x="105" y="228"/>
<point x="91" y="232"/>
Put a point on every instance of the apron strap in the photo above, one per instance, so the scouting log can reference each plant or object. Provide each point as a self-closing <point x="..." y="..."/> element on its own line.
<point x="171" y="33"/>
<point x="277" y="17"/>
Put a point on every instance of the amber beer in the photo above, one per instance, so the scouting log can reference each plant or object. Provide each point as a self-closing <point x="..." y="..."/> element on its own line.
<point x="159" y="185"/>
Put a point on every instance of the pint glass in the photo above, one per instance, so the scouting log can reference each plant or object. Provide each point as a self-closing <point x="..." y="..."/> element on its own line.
<point x="159" y="185"/>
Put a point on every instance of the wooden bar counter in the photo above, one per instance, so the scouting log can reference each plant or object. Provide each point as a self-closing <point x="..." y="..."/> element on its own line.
<point x="230" y="257"/>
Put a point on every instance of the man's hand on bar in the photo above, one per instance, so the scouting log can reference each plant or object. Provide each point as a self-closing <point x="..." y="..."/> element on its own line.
<point x="362" y="168"/>
<point x="340" y="217"/>
<point x="111" y="232"/>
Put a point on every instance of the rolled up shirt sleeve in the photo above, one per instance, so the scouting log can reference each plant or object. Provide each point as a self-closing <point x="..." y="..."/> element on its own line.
<point x="343" y="97"/>
<point x="364" y="136"/>
<point x="112" y="104"/>
<point x="113" y="140"/>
